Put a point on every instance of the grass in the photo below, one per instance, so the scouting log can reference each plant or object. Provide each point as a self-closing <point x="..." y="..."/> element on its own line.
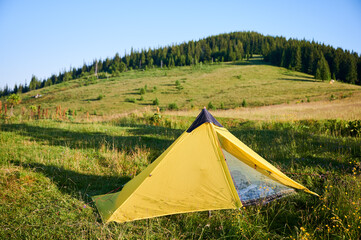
<point x="50" y="168"/>
<point x="308" y="129"/>
<point x="254" y="82"/>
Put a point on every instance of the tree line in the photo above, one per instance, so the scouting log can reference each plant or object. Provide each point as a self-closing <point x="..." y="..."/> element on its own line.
<point x="322" y="61"/>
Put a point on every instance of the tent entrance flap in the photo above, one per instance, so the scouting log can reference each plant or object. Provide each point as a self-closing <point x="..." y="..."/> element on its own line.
<point x="253" y="186"/>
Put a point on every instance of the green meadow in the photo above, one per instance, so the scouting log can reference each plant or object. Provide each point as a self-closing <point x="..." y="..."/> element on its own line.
<point x="225" y="86"/>
<point x="50" y="168"/>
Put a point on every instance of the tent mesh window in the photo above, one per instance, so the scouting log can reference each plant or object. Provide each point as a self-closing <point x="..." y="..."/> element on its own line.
<point x="252" y="186"/>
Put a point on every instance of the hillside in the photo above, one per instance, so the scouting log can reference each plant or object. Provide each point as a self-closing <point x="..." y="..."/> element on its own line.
<point x="309" y="129"/>
<point x="225" y="85"/>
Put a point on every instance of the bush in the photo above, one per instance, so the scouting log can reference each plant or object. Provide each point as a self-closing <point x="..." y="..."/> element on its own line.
<point x="116" y="74"/>
<point x="102" y="75"/>
<point x="179" y="87"/>
<point x="211" y="106"/>
<point x="141" y="98"/>
<point x="155" y="118"/>
<point x="173" y="106"/>
<point x="141" y="91"/>
<point x="100" y="97"/>
<point x="132" y="100"/>
<point x="13" y="99"/>
<point x="244" y="103"/>
<point x="156" y="101"/>
<point x="222" y="105"/>
<point x="90" y="80"/>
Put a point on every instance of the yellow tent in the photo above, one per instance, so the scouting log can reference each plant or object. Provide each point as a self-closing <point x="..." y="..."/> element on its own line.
<point x="206" y="168"/>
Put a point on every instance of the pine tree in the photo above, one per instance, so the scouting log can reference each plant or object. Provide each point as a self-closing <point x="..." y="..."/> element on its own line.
<point x="351" y="75"/>
<point x="283" y="58"/>
<point x="322" y="69"/>
<point x="298" y="59"/>
<point x="310" y="63"/>
<point x="142" y="60"/>
<point x="34" y="83"/>
<point x="359" y="71"/>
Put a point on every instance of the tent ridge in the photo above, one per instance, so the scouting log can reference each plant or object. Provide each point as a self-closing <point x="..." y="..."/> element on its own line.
<point x="203" y="117"/>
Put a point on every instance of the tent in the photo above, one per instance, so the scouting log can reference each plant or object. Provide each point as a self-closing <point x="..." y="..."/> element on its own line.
<point x="206" y="168"/>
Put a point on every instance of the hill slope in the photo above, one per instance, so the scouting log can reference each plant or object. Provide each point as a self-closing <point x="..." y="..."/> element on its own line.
<point x="224" y="85"/>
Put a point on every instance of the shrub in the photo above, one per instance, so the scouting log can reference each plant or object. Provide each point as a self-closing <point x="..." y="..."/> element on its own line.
<point x="141" y="98"/>
<point x="132" y="100"/>
<point x="141" y="91"/>
<point x="102" y="75"/>
<point x="116" y="73"/>
<point x="222" y="105"/>
<point x="154" y="88"/>
<point x="211" y="106"/>
<point x="69" y="112"/>
<point x="13" y="100"/>
<point x="244" y="103"/>
<point x="90" y="80"/>
<point x="156" y="101"/>
<point x="100" y="97"/>
<point x="179" y="87"/>
<point x="173" y="106"/>
<point x="155" y="118"/>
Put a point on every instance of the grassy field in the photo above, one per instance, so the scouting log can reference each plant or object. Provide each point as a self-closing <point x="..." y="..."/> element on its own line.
<point x="226" y="86"/>
<point x="310" y="130"/>
<point x="49" y="170"/>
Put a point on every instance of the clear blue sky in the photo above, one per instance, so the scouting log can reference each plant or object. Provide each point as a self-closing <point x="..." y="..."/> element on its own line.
<point x="45" y="37"/>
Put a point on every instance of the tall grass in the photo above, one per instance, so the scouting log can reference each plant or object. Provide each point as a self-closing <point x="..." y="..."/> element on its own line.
<point x="50" y="168"/>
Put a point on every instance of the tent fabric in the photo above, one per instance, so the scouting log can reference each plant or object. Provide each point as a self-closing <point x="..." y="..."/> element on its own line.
<point x="204" y="169"/>
<point x="188" y="177"/>
<point x="203" y="117"/>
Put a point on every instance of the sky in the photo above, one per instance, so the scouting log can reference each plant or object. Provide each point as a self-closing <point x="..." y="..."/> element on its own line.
<point x="45" y="37"/>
